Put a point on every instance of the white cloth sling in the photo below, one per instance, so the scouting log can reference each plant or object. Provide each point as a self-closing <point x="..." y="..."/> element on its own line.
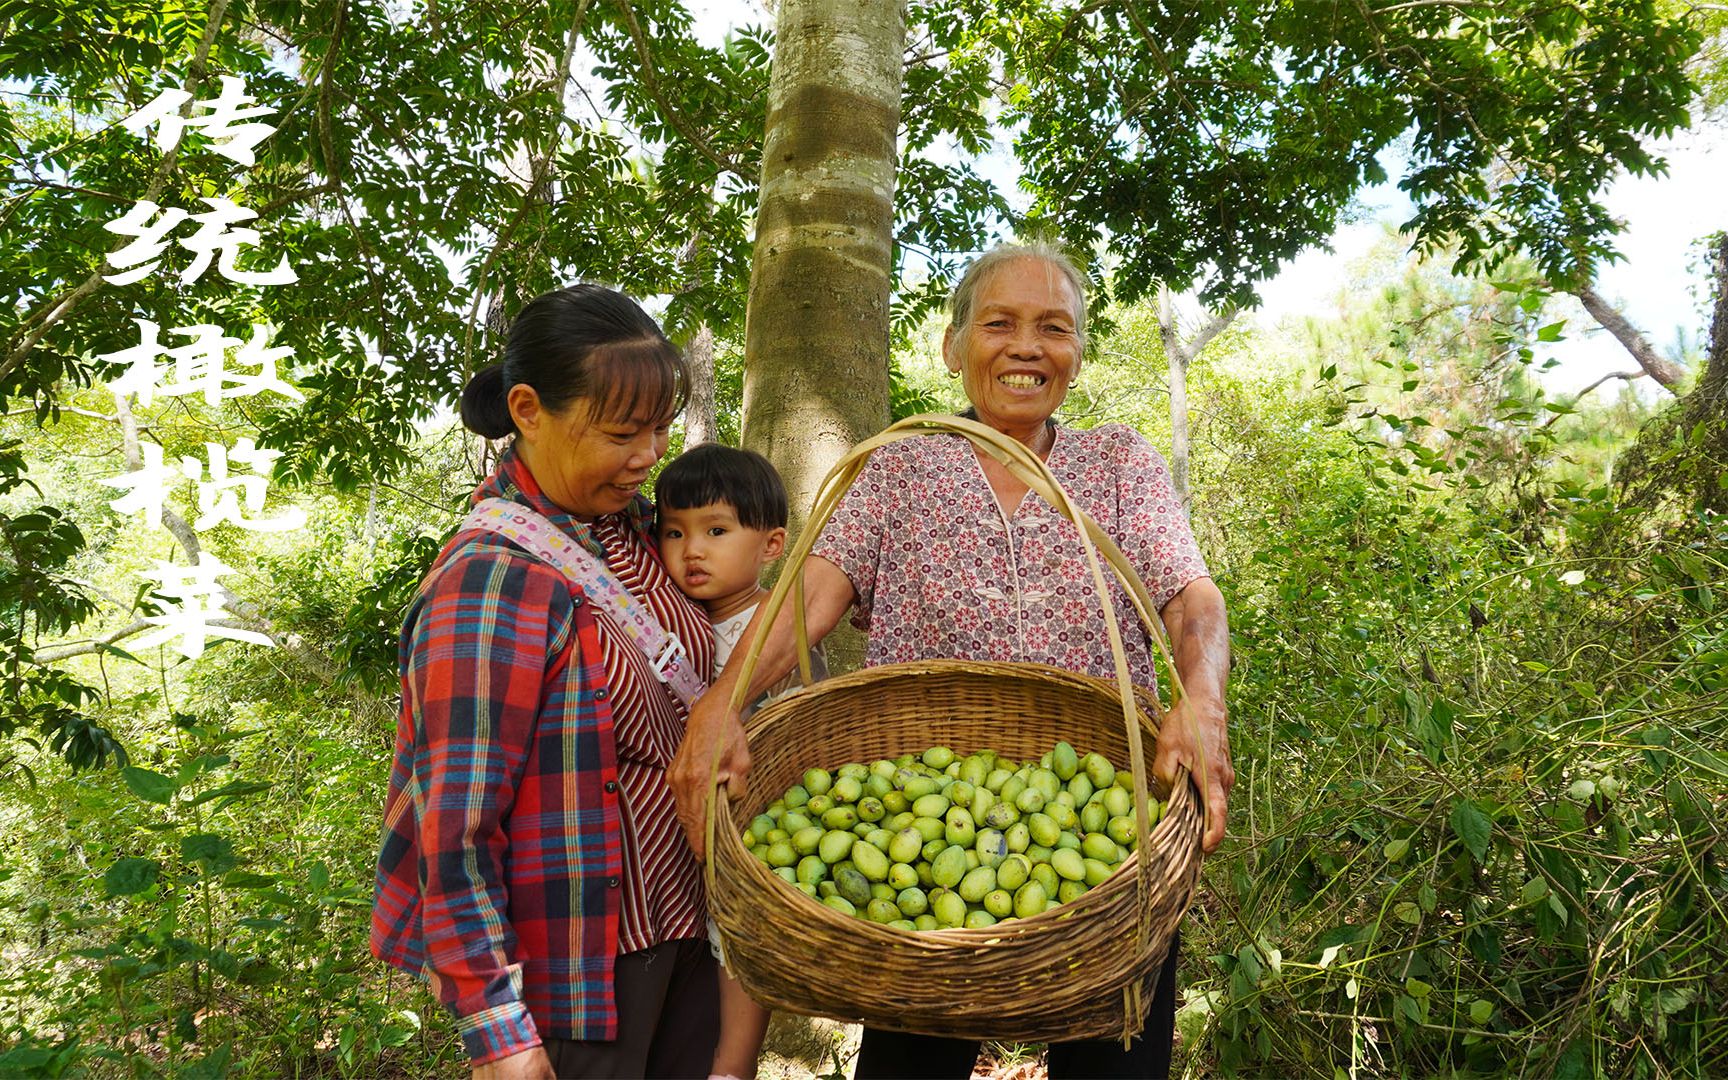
<point x="532" y="533"/>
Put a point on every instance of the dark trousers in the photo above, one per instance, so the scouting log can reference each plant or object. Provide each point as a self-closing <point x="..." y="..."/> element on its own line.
<point x="889" y="1055"/>
<point x="668" y="1018"/>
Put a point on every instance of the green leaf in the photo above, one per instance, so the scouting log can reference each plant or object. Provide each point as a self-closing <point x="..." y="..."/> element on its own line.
<point x="25" y="1060"/>
<point x="1552" y="332"/>
<point x="234" y="788"/>
<point x="1481" y="1011"/>
<point x="130" y="876"/>
<point x="212" y="852"/>
<point x="149" y="786"/>
<point x="212" y="1066"/>
<point x="1396" y="849"/>
<point x="1405" y="911"/>
<point x="1534" y="889"/>
<point x="1474" y="829"/>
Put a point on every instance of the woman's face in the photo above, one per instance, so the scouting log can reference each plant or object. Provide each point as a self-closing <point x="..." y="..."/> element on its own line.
<point x="1022" y="349"/>
<point x="587" y="465"/>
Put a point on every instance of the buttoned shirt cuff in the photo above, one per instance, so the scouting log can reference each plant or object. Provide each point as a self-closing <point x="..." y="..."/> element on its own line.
<point x="498" y="1032"/>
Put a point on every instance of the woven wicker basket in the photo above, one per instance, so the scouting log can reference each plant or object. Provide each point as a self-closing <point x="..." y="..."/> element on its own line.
<point x="1081" y="970"/>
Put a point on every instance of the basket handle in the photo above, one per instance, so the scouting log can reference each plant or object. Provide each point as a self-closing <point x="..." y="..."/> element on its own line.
<point x="1031" y="470"/>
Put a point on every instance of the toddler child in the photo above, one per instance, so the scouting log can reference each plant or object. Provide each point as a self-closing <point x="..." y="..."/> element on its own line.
<point x="722" y="519"/>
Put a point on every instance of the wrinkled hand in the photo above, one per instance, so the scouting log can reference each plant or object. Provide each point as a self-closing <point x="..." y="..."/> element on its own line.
<point x="1205" y="719"/>
<point x="528" y="1065"/>
<point x="712" y="722"/>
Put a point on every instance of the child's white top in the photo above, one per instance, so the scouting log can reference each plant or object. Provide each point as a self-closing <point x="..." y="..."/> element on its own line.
<point x="727" y="633"/>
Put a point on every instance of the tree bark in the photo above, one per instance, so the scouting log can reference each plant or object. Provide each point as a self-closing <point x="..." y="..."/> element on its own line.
<point x="1706" y="407"/>
<point x="1180" y="354"/>
<point x="700" y="425"/>
<point x="1712" y="388"/>
<point x="817" y="322"/>
<point x="1663" y="371"/>
<point x="1177" y="357"/>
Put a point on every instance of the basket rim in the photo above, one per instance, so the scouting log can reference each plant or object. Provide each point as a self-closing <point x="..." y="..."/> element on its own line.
<point x="1144" y="696"/>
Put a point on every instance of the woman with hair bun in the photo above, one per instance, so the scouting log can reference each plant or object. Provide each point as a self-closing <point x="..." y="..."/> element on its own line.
<point x="532" y="867"/>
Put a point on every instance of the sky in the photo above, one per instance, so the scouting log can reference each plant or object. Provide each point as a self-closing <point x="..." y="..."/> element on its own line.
<point x="1658" y="284"/>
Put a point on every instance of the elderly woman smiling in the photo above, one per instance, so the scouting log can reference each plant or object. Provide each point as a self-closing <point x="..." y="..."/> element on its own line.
<point x="941" y="552"/>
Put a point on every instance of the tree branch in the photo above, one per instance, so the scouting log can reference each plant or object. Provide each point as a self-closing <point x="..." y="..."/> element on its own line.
<point x="171" y="521"/>
<point x="1663" y="371"/>
<point x="66" y="652"/>
<point x="651" y="81"/>
<point x="542" y="165"/>
<point x="91" y="413"/>
<point x="1610" y="377"/>
<point x="63" y="307"/>
<point x="1212" y="329"/>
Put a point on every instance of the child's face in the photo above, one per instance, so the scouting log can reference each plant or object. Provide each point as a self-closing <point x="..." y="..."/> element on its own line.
<point x="712" y="558"/>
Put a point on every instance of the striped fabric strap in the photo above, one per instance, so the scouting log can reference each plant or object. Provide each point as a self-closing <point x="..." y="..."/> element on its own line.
<point x="545" y="541"/>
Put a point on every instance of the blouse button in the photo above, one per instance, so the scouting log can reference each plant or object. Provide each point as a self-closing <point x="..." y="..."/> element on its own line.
<point x="611" y="883"/>
<point x="600" y="694"/>
<point x="575" y="601"/>
<point x="611" y="786"/>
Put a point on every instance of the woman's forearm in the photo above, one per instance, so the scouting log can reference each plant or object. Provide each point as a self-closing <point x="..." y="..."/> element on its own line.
<point x="828" y="593"/>
<point x="1199" y="639"/>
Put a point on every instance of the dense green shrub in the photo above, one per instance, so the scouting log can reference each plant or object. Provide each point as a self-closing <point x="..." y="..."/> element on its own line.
<point x="1480" y="798"/>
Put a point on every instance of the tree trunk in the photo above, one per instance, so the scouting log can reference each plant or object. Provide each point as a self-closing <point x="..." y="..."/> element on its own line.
<point x="1712" y="388"/>
<point x="1178" y="358"/>
<point x="1707" y="404"/>
<point x="1180" y="354"/>
<point x="1663" y="371"/>
<point x="699" y="422"/>
<point x="816" y="329"/>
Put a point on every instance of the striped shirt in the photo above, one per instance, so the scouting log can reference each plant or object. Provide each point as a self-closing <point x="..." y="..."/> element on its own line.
<point x="663" y="891"/>
<point x="524" y="816"/>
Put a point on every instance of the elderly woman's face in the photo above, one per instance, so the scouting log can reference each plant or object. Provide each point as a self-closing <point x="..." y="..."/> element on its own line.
<point x="1022" y="349"/>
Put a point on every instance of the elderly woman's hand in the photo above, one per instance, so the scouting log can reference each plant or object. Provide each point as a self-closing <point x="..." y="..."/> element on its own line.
<point x="1195" y="735"/>
<point x="1193" y="729"/>
<point x="713" y="723"/>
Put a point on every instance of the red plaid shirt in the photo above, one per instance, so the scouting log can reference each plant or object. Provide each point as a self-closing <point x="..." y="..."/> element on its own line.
<point x="500" y="875"/>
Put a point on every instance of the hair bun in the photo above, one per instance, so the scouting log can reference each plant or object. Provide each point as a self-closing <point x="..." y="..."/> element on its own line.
<point x="484" y="408"/>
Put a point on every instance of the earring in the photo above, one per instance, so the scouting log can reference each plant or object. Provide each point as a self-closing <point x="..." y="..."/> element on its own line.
<point x="953" y="374"/>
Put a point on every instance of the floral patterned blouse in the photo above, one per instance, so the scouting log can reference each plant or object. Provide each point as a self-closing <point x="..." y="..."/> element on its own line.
<point x="941" y="571"/>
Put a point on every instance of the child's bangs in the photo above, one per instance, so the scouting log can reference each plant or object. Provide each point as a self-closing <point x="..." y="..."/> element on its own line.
<point x="642" y="379"/>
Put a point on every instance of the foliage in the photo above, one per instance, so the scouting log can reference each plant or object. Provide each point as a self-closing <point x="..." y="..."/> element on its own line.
<point x="1479" y="774"/>
<point x="1480" y="791"/>
<point x="1209" y="142"/>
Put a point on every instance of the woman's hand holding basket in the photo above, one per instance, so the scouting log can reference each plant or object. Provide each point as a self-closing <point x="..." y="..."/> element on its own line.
<point x="713" y="724"/>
